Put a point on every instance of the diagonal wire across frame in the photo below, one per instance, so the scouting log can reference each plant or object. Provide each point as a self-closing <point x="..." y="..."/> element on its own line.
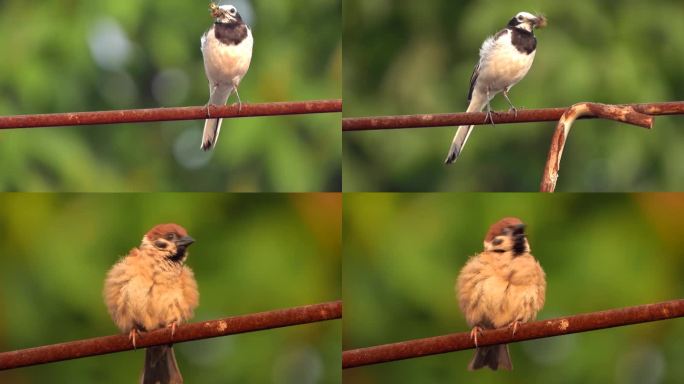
<point x="526" y="331"/>
<point x="186" y="332"/>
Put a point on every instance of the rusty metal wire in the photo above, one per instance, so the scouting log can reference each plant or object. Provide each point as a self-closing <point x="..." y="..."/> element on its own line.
<point x="187" y="332"/>
<point x="534" y="330"/>
<point x="478" y="118"/>
<point x="168" y="114"/>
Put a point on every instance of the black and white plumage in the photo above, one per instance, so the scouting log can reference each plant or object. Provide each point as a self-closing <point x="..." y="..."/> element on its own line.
<point x="505" y="59"/>
<point x="227" y="52"/>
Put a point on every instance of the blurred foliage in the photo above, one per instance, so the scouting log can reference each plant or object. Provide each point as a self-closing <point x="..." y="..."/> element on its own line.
<point x="67" y="56"/>
<point x="402" y="253"/>
<point x="253" y="253"/>
<point x="408" y="57"/>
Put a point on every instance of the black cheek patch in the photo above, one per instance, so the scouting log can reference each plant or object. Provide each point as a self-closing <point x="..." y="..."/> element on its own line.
<point x="230" y="34"/>
<point x="519" y="245"/>
<point x="179" y="255"/>
<point x="523" y="41"/>
<point x="160" y="244"/>
<point x="497" y="241"/>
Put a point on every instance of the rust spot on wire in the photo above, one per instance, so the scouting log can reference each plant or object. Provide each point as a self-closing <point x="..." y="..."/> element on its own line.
<point x="527" y="331"/>
<point x="170" y="114"/>
<point x="478" y="118"/>
<point x="187" y="332"/>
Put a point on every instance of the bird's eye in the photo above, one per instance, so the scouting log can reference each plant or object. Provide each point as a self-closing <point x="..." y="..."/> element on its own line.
<point x="232" y="11"/>
<point x="170" y="236"/>
<point x="520" y="18"/>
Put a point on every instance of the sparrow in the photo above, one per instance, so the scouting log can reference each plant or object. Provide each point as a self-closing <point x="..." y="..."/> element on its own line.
<point x="227" y="52"/>
<point x="505" y="59"/>
<point x="152" y="288"/>
<point x="501" y="287"/>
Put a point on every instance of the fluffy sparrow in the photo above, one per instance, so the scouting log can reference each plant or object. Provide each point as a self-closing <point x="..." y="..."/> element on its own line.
<point x="152" y="288"/>
<point x="500" y="287"/>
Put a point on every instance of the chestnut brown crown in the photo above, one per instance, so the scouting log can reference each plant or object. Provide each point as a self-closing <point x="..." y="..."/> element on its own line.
<point x="507" y="235"/>
<point x="497" y="229"/>
<point x="171" y="241"/>
<point x="162" y="230"/>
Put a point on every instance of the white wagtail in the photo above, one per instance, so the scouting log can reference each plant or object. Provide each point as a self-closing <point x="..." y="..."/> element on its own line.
<point x="505" y="59"/>
<point x="227" y="52"/>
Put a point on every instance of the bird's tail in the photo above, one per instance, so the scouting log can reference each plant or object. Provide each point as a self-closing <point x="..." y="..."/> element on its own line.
<point x="457" y="144"/>
<point x="161" y="366"/>
<point x="494" y="357"/>
<point x="477" y="102"/>
<point x="218" y="95"/>
<point x="210" y="135"/>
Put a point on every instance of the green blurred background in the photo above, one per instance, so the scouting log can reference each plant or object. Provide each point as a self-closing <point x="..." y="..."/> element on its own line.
<point x="67" y="56"/>
<point x="408" y="57"/>
<point x="402" y="254"/>
<point x="252" y="253"/>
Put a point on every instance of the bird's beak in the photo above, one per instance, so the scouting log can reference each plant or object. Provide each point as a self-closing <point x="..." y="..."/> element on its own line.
<point x="185" y="241"/>
<point x="215" y="10"/>
<point x="539" y="21"/>
<point x="519" y="229"/>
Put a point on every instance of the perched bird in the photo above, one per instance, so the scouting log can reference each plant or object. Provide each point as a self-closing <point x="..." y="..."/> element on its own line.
<point x="227" y="52"/>
<point x="500" y="287"/>
<point x="505" y="59"/>
<point x="152" y="288"/>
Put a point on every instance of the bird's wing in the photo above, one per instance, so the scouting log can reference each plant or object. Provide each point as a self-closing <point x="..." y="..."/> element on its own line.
<point x="473" y="79"/>
<point x="485" y="51"/>
<point x="203" y="41"/>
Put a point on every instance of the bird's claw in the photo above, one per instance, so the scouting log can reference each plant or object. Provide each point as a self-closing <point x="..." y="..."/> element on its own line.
<point x="132" y="335"/>
<point x="474" y="332"/>
<point x="514" y="110"/>
<point x="173" y="328"/>
<point x="489" y="117"/>
<point x="514" y="325"/>
<point x="239" y="102"/>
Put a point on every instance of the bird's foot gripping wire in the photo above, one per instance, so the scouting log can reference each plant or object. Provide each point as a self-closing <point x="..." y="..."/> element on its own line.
<point x="474" y="333"/>
<point x="514" y="110"/>
<point x="489" y="117"/>
<point x="514" y="326"/>
<point x="173" y="326"/>
<point x="133" y="335"/>
<point x="239" y="102"/>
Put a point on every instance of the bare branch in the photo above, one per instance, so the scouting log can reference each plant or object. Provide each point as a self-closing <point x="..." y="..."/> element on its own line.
<point x="187" y="332"/>
<point x="527" y="331"/>
<point x="169" y="114"/>
<point x="625" y="114"/>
